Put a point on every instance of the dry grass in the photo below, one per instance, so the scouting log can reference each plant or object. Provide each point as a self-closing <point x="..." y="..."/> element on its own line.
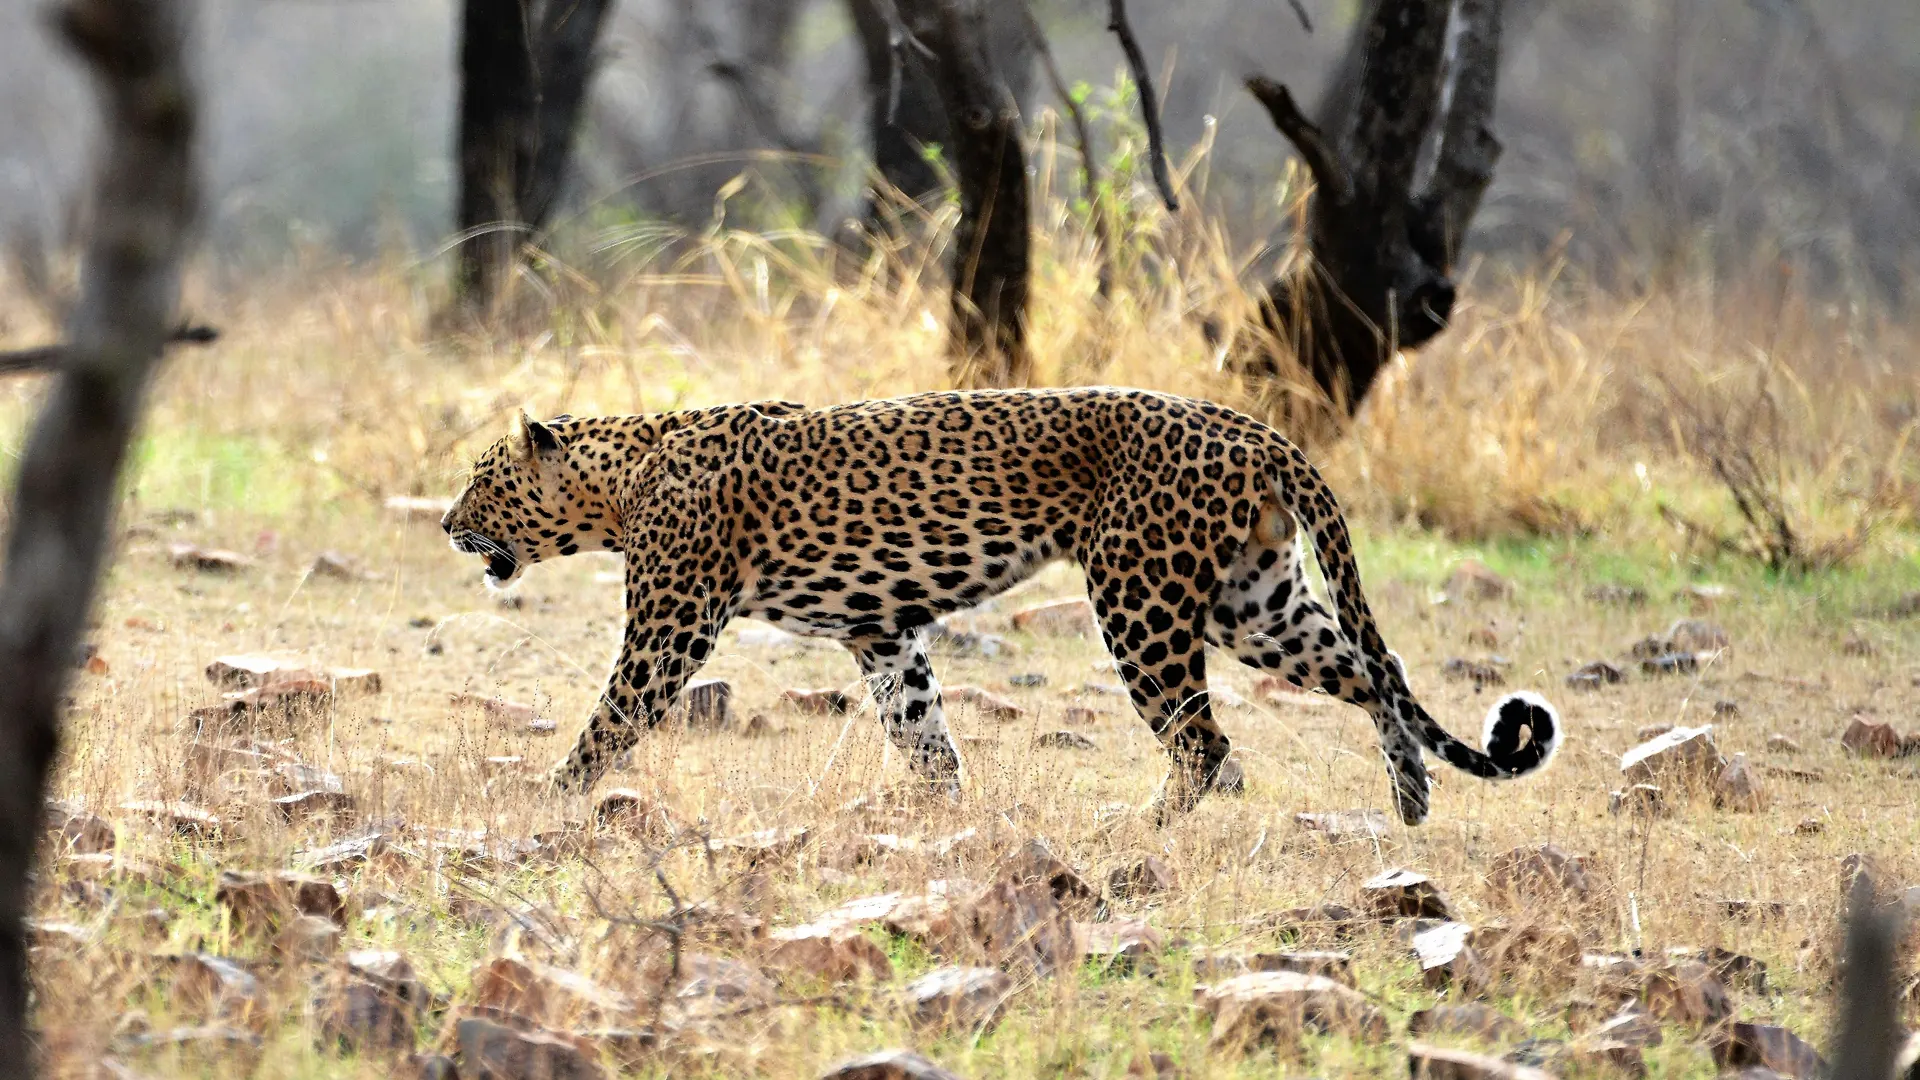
<point x="1539" y="427"/>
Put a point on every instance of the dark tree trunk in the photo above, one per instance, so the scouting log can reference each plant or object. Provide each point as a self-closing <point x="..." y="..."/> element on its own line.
<point x="144" y="201"/>
<point x="987" y="332"/>
<point x="905" y="113"/>
<point x="1378" y="277"/>
<point x="524" y="71"/>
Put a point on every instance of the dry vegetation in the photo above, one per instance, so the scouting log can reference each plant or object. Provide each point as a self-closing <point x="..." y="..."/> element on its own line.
<point x="1544" y="434"/>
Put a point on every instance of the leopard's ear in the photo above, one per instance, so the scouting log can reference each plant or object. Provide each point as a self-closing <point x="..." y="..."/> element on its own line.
<point x="520" y="437"/>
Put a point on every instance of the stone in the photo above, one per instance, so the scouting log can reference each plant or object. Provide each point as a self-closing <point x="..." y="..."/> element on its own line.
<point x="708" y="704"/>
<point x="967" y="999"/>
<point x="207" y="560"/>
<point x="715" y="984"/>
<point x="1231" y="777"/>
<point x="544" y="993"/>
<point x="985" y="702"/>
<point x="311" y="805"/>
<point x="1594" y="675"/>
<point x="1782" y="744"/>
<point x="1439" y="1063"/>
<point x="1744" y="1045"/>
<point x="1484" y="636"/>
<point x="1687" y="992"/>
<point x="1631" y="1027"/>
<point x="217" y="986"/>
<point x="634" y="812"/>
<point x="1281" y="1006"/>
<point x="829" y="954"/>
<point x="1027" y="680"/>
<point x="1065" y="740"/>
<point x="1728" y="966"/>
<point x="1674" y="663"/>
<point x="1704" y="596"/>
<point x="1471" y="1019"/>
<point x="1148" y="877"/>
<point x="1065" y="618"/>
<point x="1682" y="755"/>
<point x="503" y="714"/>
<point x="1737" y="788"/>
<point x="488" y="1050"/>
<point x="888" y="1065"/>
<point x="1481" y="673"/>
<point x="1337" y="966"/>
<point x="265" y="902"/>
<point x="1474" y="580"/>
<point x="1345" y="826"/>
<point x="1639" y="800"/>
<point x="181" y="818"/>
<point x="1020" y="926"/>
<point x="346" y="856"/>
<point x="76" y="831"/>
<point x="1696" y="636"/>
<point x="1337" y="919"/>
<point x="1864" y="738"/>
<point x="1447" y="961"/>
<point x="307" y="939"/>
<point x="762" y="846"/>
<point x="1080" y="715"/>
<point x="1121" y="945"/>
<point x="365" y="1006"/>
<point x="1035" y="862"/>
<point x="1403" y="894"/>
<point x="1543" y="872"/>
<point x="821" y="702"/>
<point x="245" y="671"/>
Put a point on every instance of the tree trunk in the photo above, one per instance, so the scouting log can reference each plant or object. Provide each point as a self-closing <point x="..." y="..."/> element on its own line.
<point x="145" y="197"/>
<point x="904" y="109"/>
<point x="525" y="67"/>
<point x="1380" y="253"/>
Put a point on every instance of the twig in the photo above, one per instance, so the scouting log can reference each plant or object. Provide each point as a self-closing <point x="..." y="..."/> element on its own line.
<point x="1305" y="136"/>
<point x="53" y="357"/>
<point x="1300" y="11"/>
<point x="1089" y="168"/>
<point x="898" y="39"/>
<point x="1149" y="100"/>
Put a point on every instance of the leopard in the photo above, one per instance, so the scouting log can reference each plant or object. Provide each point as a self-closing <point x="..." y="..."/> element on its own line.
<point x="868" y="522"/>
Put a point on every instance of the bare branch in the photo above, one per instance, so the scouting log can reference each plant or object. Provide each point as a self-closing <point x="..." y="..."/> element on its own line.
<point x="1149" y="100"/>
<point x="1089" y="167"/>
<point x="1300" y="12"/>
<point x="1469" y="150"/>
<point x="145" y="195"/>
<point x="54" y="357"/>
<point x="1328" y="173"/>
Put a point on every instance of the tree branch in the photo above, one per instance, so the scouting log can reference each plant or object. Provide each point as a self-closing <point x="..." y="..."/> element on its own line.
<point x="1329" y="175"/>
<point x="1149" y="100"/>
<point x="145" y="195"/>
<point x="54" y="357"/>
<point x="1469" y="150"/>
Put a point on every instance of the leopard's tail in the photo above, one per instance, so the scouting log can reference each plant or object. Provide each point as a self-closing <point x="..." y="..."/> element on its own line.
<point x="1522" y="730"/>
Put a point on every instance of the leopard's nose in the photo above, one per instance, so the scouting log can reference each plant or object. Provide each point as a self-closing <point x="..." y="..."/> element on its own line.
<point x="446" y="522"/>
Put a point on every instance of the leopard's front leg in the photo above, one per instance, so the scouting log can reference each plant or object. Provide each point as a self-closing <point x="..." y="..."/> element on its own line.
<point x="670" y="632"/>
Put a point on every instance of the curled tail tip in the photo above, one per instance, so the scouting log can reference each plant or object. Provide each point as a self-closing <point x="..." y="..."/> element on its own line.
<point x="1522" y="733"/>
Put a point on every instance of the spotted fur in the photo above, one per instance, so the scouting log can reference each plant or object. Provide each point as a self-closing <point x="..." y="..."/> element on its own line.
<point x="866" y="522"/>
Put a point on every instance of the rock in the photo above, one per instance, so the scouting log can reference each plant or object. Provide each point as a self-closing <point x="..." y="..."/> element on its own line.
<point x="1337" y="966"/>
<point x="1639" y="800"/>
<point x="1471" y="1019"/>
<point x="1703" y="596"/>
<point x="1743" y="1045"/>
<point x="1280" y="1006"/>
<point x="959" y="998"/>
<point x="307" y="939"/>
<point x="1065" y="740"/>
<point x="207" y="560"/>
<point x="1124" y="944"/>
<point x="764" y="846"/>
<point x="1652" y="731"/>
<point x="332" y="564"/>
<point x="1781" y="744"/>
<point x="1153" y="1065"/>
<point x="268" y="901"/>
<point x="1682" y="755"/>
<point x="986" y="703"/>
<point x="1614" y="595"/>
<point x="1864" y="738"/>
<point x="1630" y="1027"/>
<point x="714" y="984"/>
<point x="1541" y="872"/>
<point x="246" y="671"/>
<point x="1594" y="675"/>
<point x="487" y="1050"/>
<point x="1337" y="919"/>
<point x="829" y="954"/>
<point x="503" y="714"/>
<point x="1696" y="636"/>
<point x="1019" y="926"/>
<point x="888" y="1065"/>
<point x="371" y="1006"/>
<point x="634" y="812"/>
<point x="1345" y="826"/>
<point x="822" y="702"/>
<point x="1679" y="663"/>
<point x="1231" y="777"/>
<point x="1148" y="877"/>
<point x="1447" y="962"/>
<point x="1750" y="910"/>
<point x="1403" y="894"/>
<point x="1080" y="715"/>
<point x="217" y="986"/>
<point x="1687" y="992"/>
<point x="708" y="704"/>
<point x="1066" y="618"/>
<point x="76" y="831"/>
<point x="346" y="856"/>
<point x="948" y="638"/>
<point x="1035" y="863"/>
<point x="181" y="818"/>
<point x="309" y="805"/>
<point x="1728" y="966"/>
<point x="1474" y="580"/>
<point x="707" y="923"/>
<point x="1737" y="788"/>
<point x="1529" y="950"/>
<point x="1726" y="709"/>
<point x="1484" y="636"/>
<point x="544" y="993"/>
<point x="1438" y="1063"/>
<point x="1482" y="673"/>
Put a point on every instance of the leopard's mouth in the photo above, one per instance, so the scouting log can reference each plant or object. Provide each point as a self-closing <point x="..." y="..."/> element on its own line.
<point x="502" y="565"/>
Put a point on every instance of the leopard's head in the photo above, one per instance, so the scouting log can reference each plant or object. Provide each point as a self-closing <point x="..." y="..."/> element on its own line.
<point x="526" y="502"/>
